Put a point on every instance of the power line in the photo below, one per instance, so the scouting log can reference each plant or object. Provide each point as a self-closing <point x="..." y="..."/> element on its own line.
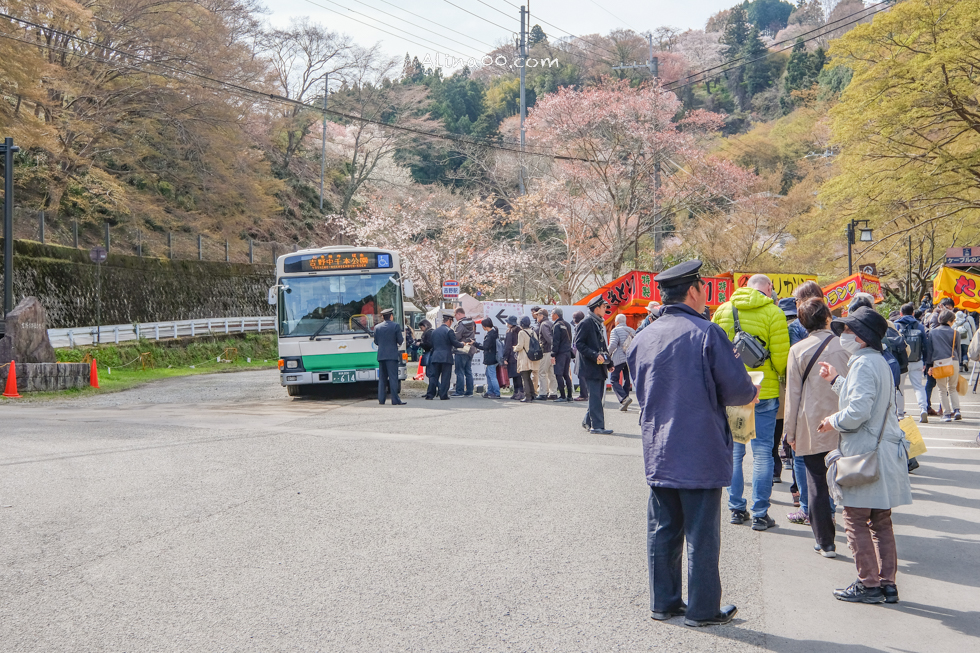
<point x="478" y="16"/>
<point x="457" y="138"/>
<point x="495" y="9"/>
<point x="490" y="45"/>
<point x="382" y="23"/>
<point x="610" y="13"/>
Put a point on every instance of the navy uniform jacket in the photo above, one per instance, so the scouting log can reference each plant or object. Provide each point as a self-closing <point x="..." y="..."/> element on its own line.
<point x="444" y="340"/>
<point x="685" y="374"/>
<point x="590" y="341"/>
<point x="388" y="337"/>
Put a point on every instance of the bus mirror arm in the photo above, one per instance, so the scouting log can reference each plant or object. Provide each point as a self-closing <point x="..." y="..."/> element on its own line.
<point x="273" y="293"/>
<point x="408" y="288"/>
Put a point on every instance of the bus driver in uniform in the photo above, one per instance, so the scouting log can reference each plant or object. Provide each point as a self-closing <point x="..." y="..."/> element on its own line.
<point x="388" y="336"/>
<point x="685" y="374"/>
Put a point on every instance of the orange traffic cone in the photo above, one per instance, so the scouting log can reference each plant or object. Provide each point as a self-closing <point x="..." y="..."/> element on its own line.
<point x="11" y="389"/>
<point x="93" y="375"/>
<point x="420" y="374"/>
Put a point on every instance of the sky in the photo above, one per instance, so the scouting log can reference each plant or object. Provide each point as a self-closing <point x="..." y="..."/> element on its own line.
<point x="474" y="35"/>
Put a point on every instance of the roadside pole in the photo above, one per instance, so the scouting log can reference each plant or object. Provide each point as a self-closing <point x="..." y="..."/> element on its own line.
<point x="7" y="149"/>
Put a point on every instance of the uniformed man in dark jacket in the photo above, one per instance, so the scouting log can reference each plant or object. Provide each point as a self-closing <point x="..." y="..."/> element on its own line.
<point x="561" y="354"/>
<point x="388" y="336"/>
<point x="444" y="342"/>
<point x="685" y="374"/>
<point x="590" y="342"/>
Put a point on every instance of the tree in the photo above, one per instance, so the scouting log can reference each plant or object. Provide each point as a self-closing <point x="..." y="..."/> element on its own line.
<point x="735" y="38"/>
<point x="536" y="36"/>
<point x="908" y="126"/>
<point x="628" y="139"/>
<point x="769" y="15"/>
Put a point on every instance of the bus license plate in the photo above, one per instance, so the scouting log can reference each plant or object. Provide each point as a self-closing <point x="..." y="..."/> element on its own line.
<point x="343" y="377"/>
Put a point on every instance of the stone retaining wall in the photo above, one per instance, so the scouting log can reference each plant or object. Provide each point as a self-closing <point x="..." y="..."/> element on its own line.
<point x="45" y="377"/>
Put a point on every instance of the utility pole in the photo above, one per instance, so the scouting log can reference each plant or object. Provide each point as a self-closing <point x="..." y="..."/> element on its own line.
<point x="523" y="171"/>
<point x="323" y="143"/>
<point x="7" y="149"/>
<point x="652" y="64"/>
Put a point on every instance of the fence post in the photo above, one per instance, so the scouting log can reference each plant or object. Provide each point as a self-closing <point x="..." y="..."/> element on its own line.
<point x="156" y="331"/>
<point x="192" y="328"/>
<point x="170" y="246"/>
<point x="226" y="250"/>
<point x="275" y="253"/>
<point x="200" y="248"/>
<point x="41" y="216"/>
<point x="74" y="232"/>
<point x="251" y="251"/>
<point x="139" y="243"/>
<point x="106" y="235"/>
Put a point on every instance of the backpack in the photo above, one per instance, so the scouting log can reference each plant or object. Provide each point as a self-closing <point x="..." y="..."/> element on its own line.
<point x="747" y="347"/>
<point x="500" y="350"/>
<point x="895" y="343"/>
<point x="534" y="351"/>
<point x="913" y="338"/>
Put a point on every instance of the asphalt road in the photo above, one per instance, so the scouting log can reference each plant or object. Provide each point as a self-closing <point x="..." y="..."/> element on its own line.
<point x="215" y="513"/>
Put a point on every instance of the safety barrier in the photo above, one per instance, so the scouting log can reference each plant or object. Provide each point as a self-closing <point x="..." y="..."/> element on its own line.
<point x="116" y="333"/>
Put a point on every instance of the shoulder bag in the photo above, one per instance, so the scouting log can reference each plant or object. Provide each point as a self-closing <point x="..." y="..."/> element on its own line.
<point x="946" y="367"/>
<point x="806" y="372"/>
<point x="747" y="346"/>
<point x="854" y="471"/>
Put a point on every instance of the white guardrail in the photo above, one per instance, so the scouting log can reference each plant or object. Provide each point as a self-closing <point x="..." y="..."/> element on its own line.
<point x="116" y="333"/>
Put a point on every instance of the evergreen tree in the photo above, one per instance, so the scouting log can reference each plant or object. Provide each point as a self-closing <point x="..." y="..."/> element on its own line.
<point x="758" y="70"/>
<point x="734" y="38"/>
<point x="536" y="36"/>
<point x="799" y="69"/>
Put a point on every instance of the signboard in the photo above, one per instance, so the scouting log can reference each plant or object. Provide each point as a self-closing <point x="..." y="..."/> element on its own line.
<point x="336" y="261"/>
<point x="98" y="254"/>
<point x="961" y="287"/>
<point x="963" y="256"/>
<point x="450" y="289"/>
<point x="783" y="284"/>
<point x="840" y="294"/>
<point x="637" y="289"/>
<point x="870" y="269"/>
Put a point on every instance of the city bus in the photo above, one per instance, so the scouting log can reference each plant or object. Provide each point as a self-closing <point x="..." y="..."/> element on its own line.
<point x="328" y="301"/>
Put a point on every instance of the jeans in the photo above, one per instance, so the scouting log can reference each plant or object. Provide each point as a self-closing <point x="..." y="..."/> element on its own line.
<point x="673" y="516"/>
<point x="918" y="384"/>
<point x="799" y="473"/>
<point x="762" y="463"/>
<point x="464" y="373"/>
<point x="493" y="388"/>
<point x="623" y="389"/>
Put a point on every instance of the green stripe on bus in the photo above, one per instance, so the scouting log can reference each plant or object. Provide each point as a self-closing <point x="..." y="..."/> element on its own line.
<point x="367" y="360"/>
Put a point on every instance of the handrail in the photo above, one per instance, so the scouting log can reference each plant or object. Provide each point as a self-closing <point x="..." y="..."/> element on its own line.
<point x="116" y="333"/>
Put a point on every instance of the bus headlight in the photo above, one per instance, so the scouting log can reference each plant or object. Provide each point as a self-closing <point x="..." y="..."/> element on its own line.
<point x="292" y="365"/>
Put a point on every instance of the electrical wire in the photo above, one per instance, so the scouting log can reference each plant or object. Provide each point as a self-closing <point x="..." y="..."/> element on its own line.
<point x="390" y="4"/>
<point x="272" y="97"/>
<point x="610" y="13"/>
<point x="478" y="16"/>
<point x="356" y="20"/>
<point x="485" y="4"/>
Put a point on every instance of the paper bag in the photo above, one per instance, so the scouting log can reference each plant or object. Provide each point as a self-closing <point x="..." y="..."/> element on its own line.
<point x="741" y="419"/>
<point x="961" y="385"/>
<point x="914" y="436"/>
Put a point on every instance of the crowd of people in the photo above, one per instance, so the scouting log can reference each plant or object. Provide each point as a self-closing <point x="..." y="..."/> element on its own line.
<point x="826" y="409"/>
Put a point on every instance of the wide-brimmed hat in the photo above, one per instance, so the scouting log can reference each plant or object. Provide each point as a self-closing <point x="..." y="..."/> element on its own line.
<point x="512" y="320"/>
<point x="788" y="307"/>
<point x="866" y="323"/>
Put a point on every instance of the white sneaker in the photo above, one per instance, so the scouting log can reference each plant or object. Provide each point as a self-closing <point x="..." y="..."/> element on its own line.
<point x="924" y="417"/>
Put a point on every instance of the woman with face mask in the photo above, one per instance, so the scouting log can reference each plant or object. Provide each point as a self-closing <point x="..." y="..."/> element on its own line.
<point x="866" y="421"/>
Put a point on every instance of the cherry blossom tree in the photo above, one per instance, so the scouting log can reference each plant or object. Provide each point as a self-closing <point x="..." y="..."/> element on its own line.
<point x="633" y="165"/>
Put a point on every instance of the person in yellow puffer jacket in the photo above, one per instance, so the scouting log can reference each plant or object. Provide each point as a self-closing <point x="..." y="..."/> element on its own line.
<point x="759" y="316"/>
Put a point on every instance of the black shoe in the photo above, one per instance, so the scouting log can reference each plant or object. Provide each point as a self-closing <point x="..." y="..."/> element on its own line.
<point x="601" y="431"/>
<point x="624" y="404"/>
<point x="740" y="517"/>
<point x="673" y="612"/>
<point x="776" y="479"/>
<point x="763" y="523"/>
<point x="444" y="398"/>
<point x="527" y="400"/>
<point x="542" y="397"/>
<point x="858" y="593"/>
<point x="724" y="616"/>
<point x="829" y="552"/>
<point x="913" y="464"/>
<point x="428" y="398"/>
<point x="890" y="592"/>
<point x="585" y="425"/>
<point x="552" y="397"/>
<point x="401" y="403"/>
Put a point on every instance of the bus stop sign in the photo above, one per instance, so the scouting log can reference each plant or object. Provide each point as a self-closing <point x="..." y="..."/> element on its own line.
<point x="98" y="254"/>
<point x="450" y="289"/>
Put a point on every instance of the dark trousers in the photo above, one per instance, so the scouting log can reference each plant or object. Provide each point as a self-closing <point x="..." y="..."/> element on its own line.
<point x="622" y="389"/>
<point x="595" y="418"/>
<point x="439" y="377"/>
<point x="777" y="462"/>
<point x="563" y="364"/>
<point x="818" y="500"/>
<point x="464" y="374"/>
<point x="388" y="381"/>
<point x="930" y="384"/>
<point x="674" y="515"/>
<point x="527" y="384"/>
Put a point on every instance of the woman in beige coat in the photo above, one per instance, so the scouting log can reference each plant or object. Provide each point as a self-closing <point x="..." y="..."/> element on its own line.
<point x="807" y="403"/>
<point x="523" y="362"/>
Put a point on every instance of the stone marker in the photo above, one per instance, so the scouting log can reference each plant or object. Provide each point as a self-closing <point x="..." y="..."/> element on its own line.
<point x="26" y="337"/>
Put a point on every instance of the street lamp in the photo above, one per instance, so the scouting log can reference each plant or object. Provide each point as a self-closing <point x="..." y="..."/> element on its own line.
<point x="864" y="236"/>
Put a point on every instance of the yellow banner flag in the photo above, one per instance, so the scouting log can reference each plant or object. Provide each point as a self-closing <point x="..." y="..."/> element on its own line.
<point x="963" y="288"/>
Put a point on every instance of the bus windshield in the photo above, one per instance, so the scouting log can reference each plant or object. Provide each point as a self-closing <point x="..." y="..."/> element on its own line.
<point x="349" y="303"/>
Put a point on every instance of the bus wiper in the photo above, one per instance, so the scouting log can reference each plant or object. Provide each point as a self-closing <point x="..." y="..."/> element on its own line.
<point x="323" y="326"/>
<point x="343" y="316"/>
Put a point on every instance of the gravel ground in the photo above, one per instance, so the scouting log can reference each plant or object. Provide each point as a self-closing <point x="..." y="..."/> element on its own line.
<point x="213" y="512"/>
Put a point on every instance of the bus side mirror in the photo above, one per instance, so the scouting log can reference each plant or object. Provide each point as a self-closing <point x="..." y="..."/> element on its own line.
<point x="408" y="288"/>
<point x="272" y="298"/>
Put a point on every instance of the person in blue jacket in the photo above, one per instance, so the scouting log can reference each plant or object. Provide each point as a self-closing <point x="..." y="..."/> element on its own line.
<point x="685" y="374"/>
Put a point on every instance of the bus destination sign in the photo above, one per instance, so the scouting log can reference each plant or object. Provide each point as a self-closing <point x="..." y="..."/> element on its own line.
<point x="337" y="261"/>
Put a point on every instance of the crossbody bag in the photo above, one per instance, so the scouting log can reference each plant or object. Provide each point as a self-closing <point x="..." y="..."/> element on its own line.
<point x="862" y="469"/>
